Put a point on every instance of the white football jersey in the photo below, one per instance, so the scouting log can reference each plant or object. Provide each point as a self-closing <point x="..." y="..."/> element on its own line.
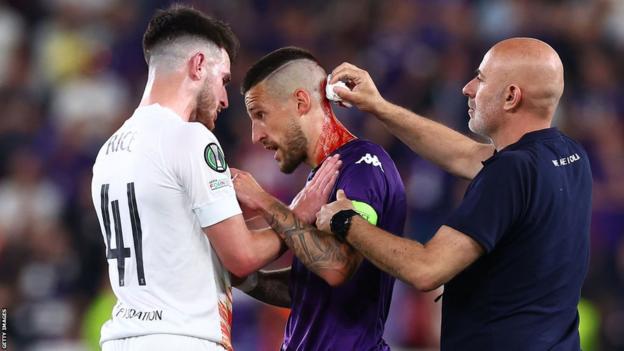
<point x="157" y="182"/>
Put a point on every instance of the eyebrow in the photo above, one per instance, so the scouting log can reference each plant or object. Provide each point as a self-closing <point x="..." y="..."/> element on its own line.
<point x="479" y="73"/>
<point x="251" y="105"/>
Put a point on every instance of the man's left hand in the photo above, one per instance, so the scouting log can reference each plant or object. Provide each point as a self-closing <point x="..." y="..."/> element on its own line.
<point x="315" y="194"/>
<point x="248" y="192"/>
<point x="324" y="216"/>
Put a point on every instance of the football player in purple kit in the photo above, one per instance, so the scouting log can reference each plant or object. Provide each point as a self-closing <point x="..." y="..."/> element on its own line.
<point x="338" y="300"/>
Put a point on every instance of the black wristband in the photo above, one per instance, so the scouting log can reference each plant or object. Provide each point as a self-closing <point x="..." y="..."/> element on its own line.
<point x="341" y="222"/>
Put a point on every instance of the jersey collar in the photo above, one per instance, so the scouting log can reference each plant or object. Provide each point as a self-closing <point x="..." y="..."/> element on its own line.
<point x="530" y="137"/>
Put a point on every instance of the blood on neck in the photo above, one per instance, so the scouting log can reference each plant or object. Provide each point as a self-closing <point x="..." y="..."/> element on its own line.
<point x="333" y="133"/>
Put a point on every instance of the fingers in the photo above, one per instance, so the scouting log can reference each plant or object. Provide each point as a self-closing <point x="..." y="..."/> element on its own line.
<point x="319" y="219"/>
<point x="239" y="174"/>
<point x="345" y="72"/>
<point x="326" y="170"/>
<point x="331" y="165"/>
<point x="345" y="94"/>
<point x="329" y="185"/>
<point x="340" y="195"/>
<point x="329" y="175"/>
<point x="322" y="171"/>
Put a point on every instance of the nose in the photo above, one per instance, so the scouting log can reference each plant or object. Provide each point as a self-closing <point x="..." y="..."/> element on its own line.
<point x="224" y="99"/>
<point x="257" y="132"/>
<point x="469" y="88"/>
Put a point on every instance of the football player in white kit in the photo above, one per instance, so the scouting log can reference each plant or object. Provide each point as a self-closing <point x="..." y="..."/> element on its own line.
<point x="165" y="201"/>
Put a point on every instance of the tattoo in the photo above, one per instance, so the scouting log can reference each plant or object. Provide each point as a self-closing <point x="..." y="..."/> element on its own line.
<point x="316" y="249"/>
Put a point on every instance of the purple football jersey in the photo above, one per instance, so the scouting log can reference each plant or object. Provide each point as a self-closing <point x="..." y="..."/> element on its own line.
<point x="351" y="316"/>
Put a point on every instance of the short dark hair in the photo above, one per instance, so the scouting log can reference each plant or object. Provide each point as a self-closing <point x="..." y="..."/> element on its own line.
<point x="271" y="62"/>
<point x="180" y="20"/>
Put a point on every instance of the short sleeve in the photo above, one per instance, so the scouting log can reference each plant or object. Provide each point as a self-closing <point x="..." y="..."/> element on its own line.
<point x="363" y="180"/>
<point x="201" y="169"/>
<point x="494" y="201"/>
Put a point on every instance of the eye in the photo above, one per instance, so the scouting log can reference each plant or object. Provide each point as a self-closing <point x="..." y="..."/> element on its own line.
<point x="226" y="80"/>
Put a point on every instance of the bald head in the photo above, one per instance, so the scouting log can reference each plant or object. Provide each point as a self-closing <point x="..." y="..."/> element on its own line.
<point x="531" y="65"/>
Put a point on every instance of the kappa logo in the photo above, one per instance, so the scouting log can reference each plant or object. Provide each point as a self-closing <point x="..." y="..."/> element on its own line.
<point x="214" y="158"/>
<point x="371" y="160"/>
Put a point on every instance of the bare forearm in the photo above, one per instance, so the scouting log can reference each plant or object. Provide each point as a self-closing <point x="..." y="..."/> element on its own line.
<point x="266" y="240"/>
<point x="240" y="250"/>
<point x="256" y="223"/>
<point x="320" y="252"/>
<point x="402" y="258"/>
<point x="263" y="247"/>
<point x="272" y="288"/>
<point x="452" y="151"/>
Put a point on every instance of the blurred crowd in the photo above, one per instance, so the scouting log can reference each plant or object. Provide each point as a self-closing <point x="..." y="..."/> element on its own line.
<point x="71" y="71"/>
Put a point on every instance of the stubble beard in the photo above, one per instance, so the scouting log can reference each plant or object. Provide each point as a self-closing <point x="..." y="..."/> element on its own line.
<point x="205" y="109"/>
<point x="295" y="150"/>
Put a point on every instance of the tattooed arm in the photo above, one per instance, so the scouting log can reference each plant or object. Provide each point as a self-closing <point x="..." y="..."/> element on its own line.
<point x="320" y="251"/>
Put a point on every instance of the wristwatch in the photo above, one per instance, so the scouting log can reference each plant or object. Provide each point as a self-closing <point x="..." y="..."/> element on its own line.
<point x="341" y="222"/>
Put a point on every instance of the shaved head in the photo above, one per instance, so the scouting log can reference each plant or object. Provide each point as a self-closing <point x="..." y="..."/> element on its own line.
<point x="283" y="94"/>
<point x="175" y="54"/>
<point x="532" y="65"/>
<point x="297" y="74"/>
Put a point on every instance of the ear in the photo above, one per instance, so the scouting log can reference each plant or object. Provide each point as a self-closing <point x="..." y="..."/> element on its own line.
<point x="304" y="102"/>
<point x="197" y="65"/>
<point x="513" y="97"/>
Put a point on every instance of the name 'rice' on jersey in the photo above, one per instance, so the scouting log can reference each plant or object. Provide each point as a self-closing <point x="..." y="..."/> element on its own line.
<point x="157" y="182"/>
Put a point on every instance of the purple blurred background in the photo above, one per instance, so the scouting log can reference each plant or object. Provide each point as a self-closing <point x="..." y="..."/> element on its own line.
<point x="71" y="71"/>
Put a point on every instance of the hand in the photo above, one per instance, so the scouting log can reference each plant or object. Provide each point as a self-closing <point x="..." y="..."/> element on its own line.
<point x="324" y="216"/>
<point x="249" y="193"/>
<point x="316" y="192"/>
<point x="363" y="94"/>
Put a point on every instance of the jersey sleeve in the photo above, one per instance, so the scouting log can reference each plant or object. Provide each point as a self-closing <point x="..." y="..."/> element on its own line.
<point x="494" y="201"/>
<point x="365" y="184"/>
<point x="201" y="168"/>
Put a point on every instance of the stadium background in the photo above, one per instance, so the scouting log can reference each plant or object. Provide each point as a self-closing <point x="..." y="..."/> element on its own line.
<point x="72" y="70"/>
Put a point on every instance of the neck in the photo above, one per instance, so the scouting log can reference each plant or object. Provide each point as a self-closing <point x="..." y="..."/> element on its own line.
<point x="332" y="135"/>
<point x="167" y="91"/>
<point x="512" y="133"/>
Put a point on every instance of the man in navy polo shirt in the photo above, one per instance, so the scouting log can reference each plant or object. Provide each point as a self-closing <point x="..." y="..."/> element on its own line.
<point x="514" y="254"/>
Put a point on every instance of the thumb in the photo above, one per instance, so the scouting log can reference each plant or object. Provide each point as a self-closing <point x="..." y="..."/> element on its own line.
<point x="340" y="195"/>
<point x="344" y="93"/>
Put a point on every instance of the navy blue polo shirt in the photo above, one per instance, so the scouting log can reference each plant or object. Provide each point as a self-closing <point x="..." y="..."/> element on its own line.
<point x="529" y="208"/>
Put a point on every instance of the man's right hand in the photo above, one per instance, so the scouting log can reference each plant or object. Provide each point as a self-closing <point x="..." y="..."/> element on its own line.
<point x="363" y="94"/>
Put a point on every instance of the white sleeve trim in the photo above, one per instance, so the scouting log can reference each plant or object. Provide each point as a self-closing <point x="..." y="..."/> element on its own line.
<point x="217" y="211"/>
